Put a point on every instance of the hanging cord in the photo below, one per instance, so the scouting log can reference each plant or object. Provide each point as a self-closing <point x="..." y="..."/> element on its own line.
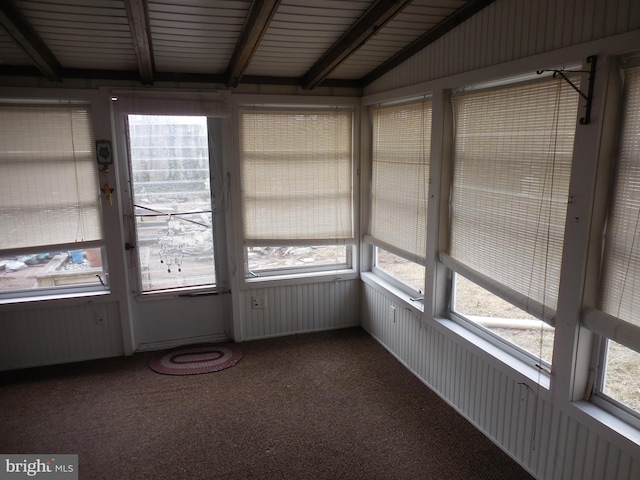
<point x="634" y="239"/>
<point x="218" y="170"/>
<point x="550" y="169"/>
<point x="80" y="230"/>
<point x="337" y="152"/>
<point x="422" y="191"/>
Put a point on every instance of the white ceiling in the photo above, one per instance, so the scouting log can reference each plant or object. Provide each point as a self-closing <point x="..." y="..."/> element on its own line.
<point x="288" y="42"/>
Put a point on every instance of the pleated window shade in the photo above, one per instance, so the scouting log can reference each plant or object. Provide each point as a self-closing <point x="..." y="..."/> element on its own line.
<point x="513" y="154"/>
<point x="49" y="192"/>
<point x="297" y="176"/>
<point x="620" y="291"/>
<point x="400" y="187"/>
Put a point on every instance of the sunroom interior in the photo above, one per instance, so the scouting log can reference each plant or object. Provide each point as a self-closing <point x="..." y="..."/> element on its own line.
<point x="460" y="178"/>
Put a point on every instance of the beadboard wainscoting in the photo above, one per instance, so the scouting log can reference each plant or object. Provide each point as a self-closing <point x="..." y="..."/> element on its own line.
<point x="300" y="308"/>
<point x="514" y="413"/>
<point x="45" y="336"/>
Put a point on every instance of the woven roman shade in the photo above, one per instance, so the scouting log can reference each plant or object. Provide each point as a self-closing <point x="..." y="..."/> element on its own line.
<point x="206" y="104"/>
<point x="400" y="173"/>
<point x="620" y="281"/>
<point x="513" y="156"/>
<point x="297" y="176"/>
<point x="49" y="192"/>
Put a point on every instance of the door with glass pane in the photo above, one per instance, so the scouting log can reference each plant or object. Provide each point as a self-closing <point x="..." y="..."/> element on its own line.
<point x="172" y="202"/>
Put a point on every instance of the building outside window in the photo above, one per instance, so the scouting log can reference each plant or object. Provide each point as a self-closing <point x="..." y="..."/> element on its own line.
<point x="172" y="201"/>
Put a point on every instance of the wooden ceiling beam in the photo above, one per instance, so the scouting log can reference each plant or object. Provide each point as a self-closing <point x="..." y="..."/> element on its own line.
<point x="174" y="77"/>
<point x="138" y="17"/>
<point x="368" y="25"/>
<point x="297" y="82"/>
<point x="452" y="21"/>
<point x="23" y="33"/>
<point x="258" y="20"/>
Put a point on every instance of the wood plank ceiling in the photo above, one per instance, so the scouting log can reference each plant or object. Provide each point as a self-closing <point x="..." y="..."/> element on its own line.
<point x="282" y="42"/>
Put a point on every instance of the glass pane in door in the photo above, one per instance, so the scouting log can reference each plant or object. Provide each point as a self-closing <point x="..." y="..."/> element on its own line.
<point x="171" y="191"/>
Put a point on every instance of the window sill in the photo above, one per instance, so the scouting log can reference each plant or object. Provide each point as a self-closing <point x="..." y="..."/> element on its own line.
<point x="299" y="278"/>
<point x="67" y="298"/>
<point x="612" y="427"/>
<point x="619" y="427"/>
<point x="400" y="296"/>
<point x="189" y="292"/>
<point x="509" y="363"/>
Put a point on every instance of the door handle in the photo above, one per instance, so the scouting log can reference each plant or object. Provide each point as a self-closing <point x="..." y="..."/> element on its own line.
<point x="129" y="246"/>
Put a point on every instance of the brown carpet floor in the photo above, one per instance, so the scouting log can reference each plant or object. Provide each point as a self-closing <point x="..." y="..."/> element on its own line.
<point x="331" y="405"/>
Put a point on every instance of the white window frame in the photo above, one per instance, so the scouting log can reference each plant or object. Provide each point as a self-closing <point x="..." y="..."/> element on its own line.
<point x="533" y="307"/>
<point x="415" y="295"/>
<point x="306" y="270"/>
<point x="212" y="105"/>
<point x="301" y="274"/>
<point x="417" y="256"/>
<point x="66" y="291"/>
<point x="512" y="349"/>
<point x="601" y="399"/>
<point x="607" y="327"/>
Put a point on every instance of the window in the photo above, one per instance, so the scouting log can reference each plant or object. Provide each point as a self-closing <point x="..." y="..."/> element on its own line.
<point x="512" y="162"/>
<point x="619" y="376"/>
<point x="397" y="269"/>
<point x="618" y="319"/>
<point x="170" y="183"/>
<point x="297" y="189"/>
<point x="50" y="207"/>
<point x="270" y="260"/>
<point x="399" y="192"/>
<point x="503" y="319"/>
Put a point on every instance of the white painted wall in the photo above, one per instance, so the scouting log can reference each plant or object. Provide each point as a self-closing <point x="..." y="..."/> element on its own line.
<point x="301" y="308"/>
<point x="552" y="437"/>
<point x="64" y="330"/>
<point x="550" y="441"/>
<point x="508" y="30"/>
<point x="172" y="321"/>
<point x="293" y="304"/>
<point x="152" y="322"/>
<point x="549" y="430"/>
<point x="59" y="334"/>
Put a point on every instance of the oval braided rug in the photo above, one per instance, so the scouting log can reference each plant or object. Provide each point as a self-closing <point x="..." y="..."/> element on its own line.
<point x="196" y="359"/>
